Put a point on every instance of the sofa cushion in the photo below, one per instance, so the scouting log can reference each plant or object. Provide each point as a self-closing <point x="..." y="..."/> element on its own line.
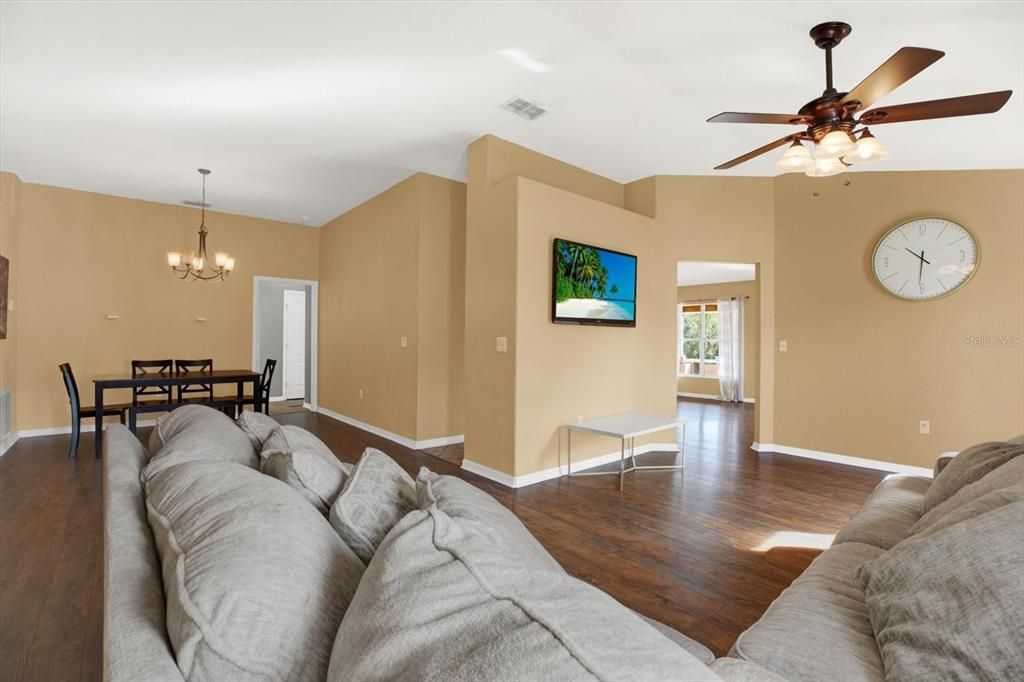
<point x="135" y="645"/>
<point x="887" y="515"/>
<point x="308" y="466"/>
<point x="1010" y="474"/>
<point x="375" y="497"/>
<point x="257" y="426"/>
<point x="947" y="603"/>
<point x="967" y="467"/>
<point x="737" y="670"/>
<point x="256" y="581"/>
<point x="474" y="508"/>
<point x="818" y="628"/>
<point x="692" y="646"/>
<point x="197" y="432"/>
<point x="440" y="601"/>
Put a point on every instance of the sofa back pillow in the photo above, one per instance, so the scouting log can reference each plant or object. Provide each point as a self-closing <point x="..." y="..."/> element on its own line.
<point x="375" y="497"/>
<point x="197" y="432"/>
<point x="257" y="426"/>
<point x="300" y="459"/>
<point x="440" y="601"/>
<point x="1009" y="475"/>
<point x="946" y="603"/>
<point x="474" y="508"/>
<point x="256" y="581"/>
<point x="967" y="467"/>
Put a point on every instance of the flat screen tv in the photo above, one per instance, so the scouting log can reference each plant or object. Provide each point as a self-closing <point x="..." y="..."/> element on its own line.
<point x="591" y="285"/>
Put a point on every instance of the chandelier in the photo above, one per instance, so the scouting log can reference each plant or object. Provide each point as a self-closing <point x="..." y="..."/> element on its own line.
<point x="196" y="264"/>
<point x="833" y="154"/>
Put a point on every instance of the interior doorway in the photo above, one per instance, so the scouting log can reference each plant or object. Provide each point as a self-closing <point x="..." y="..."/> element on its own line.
<point x="284" y="325"/>
<point x="718" y="349"/>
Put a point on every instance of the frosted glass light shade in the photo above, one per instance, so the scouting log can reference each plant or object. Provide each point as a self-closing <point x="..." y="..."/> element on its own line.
<point x="173" y="259"/>
<point x="868" y="150"/>
<point x="220" y="259"/>
<point x="823" y="168"/>
<point x="229" y="264"/>
<point x="835" y="145"/>
<point x="796" y="159"/>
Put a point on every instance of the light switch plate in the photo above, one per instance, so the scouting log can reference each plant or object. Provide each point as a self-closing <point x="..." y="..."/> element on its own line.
<point x="405" y="342"/>
<point x="924" y="427"/>
<point x="783" y="346"/>
<point x="501" y="344"/>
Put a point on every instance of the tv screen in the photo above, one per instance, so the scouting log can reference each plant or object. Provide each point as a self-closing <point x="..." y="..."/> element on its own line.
<point x="591" y="285"/>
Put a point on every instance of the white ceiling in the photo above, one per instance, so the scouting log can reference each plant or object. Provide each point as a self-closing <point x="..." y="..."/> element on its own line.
<point x="307" y="109"/>
<point x="691" y="272"/>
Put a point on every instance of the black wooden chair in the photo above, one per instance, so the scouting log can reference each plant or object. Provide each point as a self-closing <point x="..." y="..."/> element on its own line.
<point x="205" y="390"/>
<point x="141" y="402"/>
<point x="185" y="367"/>
<point x="263" y="388"/>
<point x="78" y="412"/>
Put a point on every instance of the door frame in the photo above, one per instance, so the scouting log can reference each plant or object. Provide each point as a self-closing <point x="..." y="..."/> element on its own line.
<point x="314" y="309"/>
<point x="284" y="333"/>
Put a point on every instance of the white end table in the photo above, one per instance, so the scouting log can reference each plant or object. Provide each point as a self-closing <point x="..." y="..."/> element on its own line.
<point x="626" y="427"/>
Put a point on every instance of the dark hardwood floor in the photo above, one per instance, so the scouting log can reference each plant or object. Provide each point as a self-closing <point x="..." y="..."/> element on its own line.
<point x="695" y="549"/>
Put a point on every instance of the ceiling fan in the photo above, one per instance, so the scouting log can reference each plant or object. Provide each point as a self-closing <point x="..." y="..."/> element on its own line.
<point x="830" y="122"/>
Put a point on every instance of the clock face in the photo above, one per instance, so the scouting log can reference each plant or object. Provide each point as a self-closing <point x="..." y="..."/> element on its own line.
<point x="925" y="259"/>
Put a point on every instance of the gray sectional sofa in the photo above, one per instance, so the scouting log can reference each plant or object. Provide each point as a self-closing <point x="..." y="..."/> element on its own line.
<point x="252" y="553"/>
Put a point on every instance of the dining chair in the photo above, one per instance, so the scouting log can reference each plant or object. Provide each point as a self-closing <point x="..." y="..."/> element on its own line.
<point x="263" y="388"/>
<point x="189" y="367"/>
<point x="162" y="403"/>
<point x="78" y="412"/>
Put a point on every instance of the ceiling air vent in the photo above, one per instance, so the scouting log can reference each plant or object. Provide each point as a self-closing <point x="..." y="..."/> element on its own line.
<point x="197" y="204"/>
<point x="525" y="108"/>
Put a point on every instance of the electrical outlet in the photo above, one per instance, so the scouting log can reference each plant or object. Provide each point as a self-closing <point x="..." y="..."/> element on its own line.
<point x="360" y="394"/>
<point x="783" y="346"/>
<point x="405" y="342"/>
<point x="501" y="344"/>
<point x="924" y="427"/>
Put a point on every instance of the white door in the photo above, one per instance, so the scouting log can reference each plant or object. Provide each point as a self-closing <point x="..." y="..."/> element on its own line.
<point x="293" y="366"/>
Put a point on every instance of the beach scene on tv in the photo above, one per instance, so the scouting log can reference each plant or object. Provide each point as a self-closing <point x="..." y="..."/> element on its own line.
<point x="594" y="284"/>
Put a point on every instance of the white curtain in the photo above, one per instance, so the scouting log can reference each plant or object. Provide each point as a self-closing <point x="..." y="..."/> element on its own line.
<point x="730" y="349"/>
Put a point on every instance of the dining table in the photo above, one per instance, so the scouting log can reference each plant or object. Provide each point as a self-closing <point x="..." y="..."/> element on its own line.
<point x="239" y="377"/>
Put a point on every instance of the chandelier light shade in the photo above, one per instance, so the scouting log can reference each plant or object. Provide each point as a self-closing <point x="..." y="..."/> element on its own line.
<point x="196" y="264"/>
<point x="835" y="145"/>
<point x="823" y="168"/>
<point x="796" y="159"/>
<point x="868" y="150"/>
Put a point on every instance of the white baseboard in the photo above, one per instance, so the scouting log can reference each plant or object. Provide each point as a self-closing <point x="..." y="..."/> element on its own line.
<point x="394" y="437"/>
<point x="707" y="396"/>
<point x="8" y="441"/>
<point x="849" y="460"/>
<point x="13" y="438"/>
<point x="554" y="472"/>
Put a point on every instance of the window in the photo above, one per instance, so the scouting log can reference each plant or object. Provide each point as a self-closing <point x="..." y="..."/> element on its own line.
<point x="698" y="340"/>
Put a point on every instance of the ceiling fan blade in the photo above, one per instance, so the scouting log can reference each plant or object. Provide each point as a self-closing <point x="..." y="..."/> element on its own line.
<point x="897" y="70"/>
<point x="743" y="117"/>
<point x="757" y="152"/>
<point x="968" y="105"/>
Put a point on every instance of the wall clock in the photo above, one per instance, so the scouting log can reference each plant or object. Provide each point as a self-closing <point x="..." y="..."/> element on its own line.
<point x="925" y="259"/>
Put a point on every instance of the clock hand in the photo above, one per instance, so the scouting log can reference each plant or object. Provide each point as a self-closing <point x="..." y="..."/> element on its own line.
<point x="919" y="256"/>
<point x="920" y="270"/>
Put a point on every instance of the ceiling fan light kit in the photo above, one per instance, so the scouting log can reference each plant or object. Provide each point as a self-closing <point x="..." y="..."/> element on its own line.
<point x="831" y="121"/>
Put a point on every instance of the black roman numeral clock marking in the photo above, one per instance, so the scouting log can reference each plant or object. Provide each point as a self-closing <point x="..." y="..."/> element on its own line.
<point x="925" y="259"/>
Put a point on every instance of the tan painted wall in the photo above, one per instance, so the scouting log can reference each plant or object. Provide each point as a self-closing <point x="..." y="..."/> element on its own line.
<point x="368" y="301"/>
<point x="508" y="160"/>
<point x="442" y="307"/>
<point x="83" y="256"/>
<point x="863" y="368"/>
<point x="751" y="334"/>
<point x="10" y="219"/>
<point x="490" y="312"/>
<point x="567" y="371"/>
<point x="393" y="267"/>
